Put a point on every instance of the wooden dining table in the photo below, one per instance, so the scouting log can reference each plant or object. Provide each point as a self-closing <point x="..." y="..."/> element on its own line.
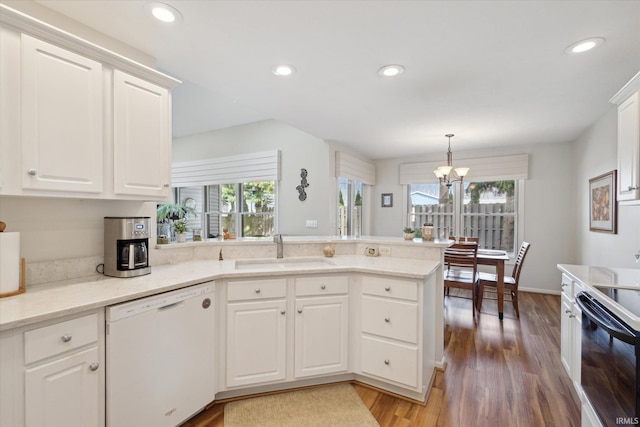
<point x="495" y="258"/>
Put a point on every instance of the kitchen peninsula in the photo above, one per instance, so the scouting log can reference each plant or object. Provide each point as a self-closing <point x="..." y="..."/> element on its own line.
<point x="383" y="318"/>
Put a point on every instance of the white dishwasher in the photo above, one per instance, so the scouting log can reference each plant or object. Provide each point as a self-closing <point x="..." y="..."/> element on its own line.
<point x="160" y="367"/>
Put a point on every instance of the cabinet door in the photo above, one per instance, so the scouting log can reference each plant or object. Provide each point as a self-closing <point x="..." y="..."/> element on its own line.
<point x="142" y="137"/>
<point x="256" y="342"/>
<point x="62" y="127"/>
<point x="566" y="333"/>
<point x="629" y="148"/>
<point x="321" y="340"/>
<point x="64" y="392"/>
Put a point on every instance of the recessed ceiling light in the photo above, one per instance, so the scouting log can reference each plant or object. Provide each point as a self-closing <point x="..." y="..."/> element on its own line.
<point x="391" y="70"/>
<point x="584" y="45"/>
<point x="164" y="12"/>
<point x="283" y="70"/>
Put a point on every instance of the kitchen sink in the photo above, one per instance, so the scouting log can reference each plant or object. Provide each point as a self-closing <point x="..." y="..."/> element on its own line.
<point x="283" y="263"/>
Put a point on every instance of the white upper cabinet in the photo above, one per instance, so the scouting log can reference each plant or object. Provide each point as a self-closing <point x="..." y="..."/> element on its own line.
<point x="141" y="137"/>
<point x="628" y="101"/>
<point x="79" y="120"/>
<point x="62" y="108"/>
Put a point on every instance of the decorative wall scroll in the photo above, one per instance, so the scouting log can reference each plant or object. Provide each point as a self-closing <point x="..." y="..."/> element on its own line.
<point x="303" y="184"/>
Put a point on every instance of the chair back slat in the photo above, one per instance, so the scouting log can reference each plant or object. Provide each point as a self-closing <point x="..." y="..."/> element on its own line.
<point x="462" y="255"/>
<point x="517" y="267"/>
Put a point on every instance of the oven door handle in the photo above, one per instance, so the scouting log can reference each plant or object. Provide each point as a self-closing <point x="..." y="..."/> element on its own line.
<point x="609" y="323"/>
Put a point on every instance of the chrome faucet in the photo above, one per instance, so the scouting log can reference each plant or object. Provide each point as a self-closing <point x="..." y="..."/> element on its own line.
<point x="278" y="240"/>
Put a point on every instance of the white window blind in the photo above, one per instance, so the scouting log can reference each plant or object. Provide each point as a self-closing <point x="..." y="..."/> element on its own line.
<point x="261" y="166"/>
<point x="351" y="167"/>
<point x="482" y="169"/>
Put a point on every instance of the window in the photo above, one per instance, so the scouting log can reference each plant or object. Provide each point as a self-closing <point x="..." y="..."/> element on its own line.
<point x="486" y="210"/>
<point x="246" y="209"/>
<point x="350" y="194"/>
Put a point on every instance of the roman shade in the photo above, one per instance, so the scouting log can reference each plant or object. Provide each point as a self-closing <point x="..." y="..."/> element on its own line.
<point x="351" y="167"/>
<point x="480" y="169"/>
<point x="261" y="166"/>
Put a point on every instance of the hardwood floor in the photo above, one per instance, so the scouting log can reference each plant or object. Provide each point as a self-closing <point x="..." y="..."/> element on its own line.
<point x="498" y="373"/>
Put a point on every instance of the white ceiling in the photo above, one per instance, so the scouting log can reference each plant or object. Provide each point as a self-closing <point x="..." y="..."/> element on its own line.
<point x="494" y="73"/>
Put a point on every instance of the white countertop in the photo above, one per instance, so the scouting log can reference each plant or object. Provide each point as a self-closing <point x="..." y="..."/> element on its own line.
<point x="44" y="302"/>
<point x="591" y="276"/>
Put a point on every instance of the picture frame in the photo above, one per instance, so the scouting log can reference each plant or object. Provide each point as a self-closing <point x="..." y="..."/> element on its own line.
<point x="387" y="200"/>
<point x="603" y="216"/>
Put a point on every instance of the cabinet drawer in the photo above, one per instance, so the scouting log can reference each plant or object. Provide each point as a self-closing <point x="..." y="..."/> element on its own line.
<point x="393" y="288"/>
<point x="56" y="339"/>
<point x="307" y="286"/>
<point x="257" y="289"/>
<point x="567" y="286"/>
<point x="395" y="362"/>
<point x="390" y="318"/>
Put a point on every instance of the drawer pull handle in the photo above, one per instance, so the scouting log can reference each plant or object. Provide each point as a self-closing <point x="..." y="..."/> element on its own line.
<point x="94" y="366"/>
<point x="66" y="338"/>
<point x="387" y="319"/>
<point x="258" y="291"/>
<point x="571" y="316"/>
<point x="386" y="362"/>
<point x="387" y="288"/>
<point x="564" y="285"/>
<point x="323" y="287"/>
<point x="299" y="310"/>
<point x="567" y="311"/>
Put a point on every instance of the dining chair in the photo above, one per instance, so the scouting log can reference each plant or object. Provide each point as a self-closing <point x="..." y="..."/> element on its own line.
<point x="510" y="282"/>
<point x="461" y="260"/>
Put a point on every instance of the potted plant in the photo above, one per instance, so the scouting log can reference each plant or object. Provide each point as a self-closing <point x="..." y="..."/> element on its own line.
<point x="180" y="228"/>
<point x="167" y="214"/>
<point x="409" y="233"/>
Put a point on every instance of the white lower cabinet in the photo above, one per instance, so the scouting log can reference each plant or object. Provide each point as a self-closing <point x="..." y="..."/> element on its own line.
<point x="321" y="326"/>
<point x="53" y="373"/>
<point x="256" y="332"/>
<point x="64" y="392"/>
<point x="285" y="328"/>
<point x="391" y="342"/>
<point x="571" y="331"/>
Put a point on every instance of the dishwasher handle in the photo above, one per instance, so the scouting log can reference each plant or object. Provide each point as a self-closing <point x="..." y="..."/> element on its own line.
<point x="602" y="317"/>
<point x="170" y="306"/>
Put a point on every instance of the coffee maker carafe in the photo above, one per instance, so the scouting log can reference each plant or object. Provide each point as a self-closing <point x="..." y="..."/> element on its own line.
<point x="126" y="243"/>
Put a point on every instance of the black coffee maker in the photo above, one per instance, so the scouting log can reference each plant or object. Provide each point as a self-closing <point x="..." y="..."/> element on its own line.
<point x="126" y="246"/>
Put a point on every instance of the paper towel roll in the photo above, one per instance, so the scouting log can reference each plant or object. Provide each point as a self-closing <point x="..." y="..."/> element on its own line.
<point x="9" y="262"/>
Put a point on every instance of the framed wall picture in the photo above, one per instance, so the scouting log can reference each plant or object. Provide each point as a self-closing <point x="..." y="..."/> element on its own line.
<point x="602" y="203"/>
<point x="387" y="200"/>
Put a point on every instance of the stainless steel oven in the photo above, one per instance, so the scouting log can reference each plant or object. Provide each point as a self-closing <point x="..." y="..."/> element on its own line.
<point x="610" y="349"/>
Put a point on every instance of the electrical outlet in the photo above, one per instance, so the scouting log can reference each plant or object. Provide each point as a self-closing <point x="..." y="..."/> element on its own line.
<point x="637" y="256"/>
<point x="312" y="223"/>
<point x="385" y="250"/>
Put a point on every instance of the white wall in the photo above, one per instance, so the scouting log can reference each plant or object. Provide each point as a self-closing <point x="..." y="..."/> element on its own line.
<point x="298" y="150"/>
<point x="547" y="211"/>
<point x="595" y="153"/>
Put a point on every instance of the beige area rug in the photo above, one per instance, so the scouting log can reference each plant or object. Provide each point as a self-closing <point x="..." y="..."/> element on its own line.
<point x="333" y="405"/>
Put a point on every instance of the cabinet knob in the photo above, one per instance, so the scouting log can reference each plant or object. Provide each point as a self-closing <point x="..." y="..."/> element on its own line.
<point x="94" y="366"/>
<point x="387" y="319"/>
<point x="166" y="185"/>
<point x="323" y="287"/>
<point x="66" y="338"/>
<point x="386" y="362"/>
<point x="283" y="312"/>
<point x="257" y="290"/>
<point x="32" y="172"/>
<point x="299" y="310"/>
<point x="387" y="288"/>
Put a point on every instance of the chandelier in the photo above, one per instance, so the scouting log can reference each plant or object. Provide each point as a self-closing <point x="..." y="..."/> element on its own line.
<point x="447" y="174"/>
